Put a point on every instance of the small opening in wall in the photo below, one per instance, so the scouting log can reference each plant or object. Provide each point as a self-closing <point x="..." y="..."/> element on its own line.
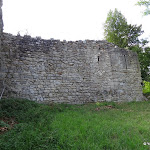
<point x="98" y="58"/>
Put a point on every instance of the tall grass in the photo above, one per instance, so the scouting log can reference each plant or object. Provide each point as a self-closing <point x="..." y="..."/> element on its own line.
<point x="101" y="126"/>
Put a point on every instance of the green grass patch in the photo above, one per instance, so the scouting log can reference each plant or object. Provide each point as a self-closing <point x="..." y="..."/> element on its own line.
<point x="100" y="126"/>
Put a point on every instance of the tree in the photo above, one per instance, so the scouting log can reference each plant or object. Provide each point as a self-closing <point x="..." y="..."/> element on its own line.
<point x="124" y="35"/>
<point x="145" y="3"/>
<point x="134" y="32"/>
<point x="117" y="30"/>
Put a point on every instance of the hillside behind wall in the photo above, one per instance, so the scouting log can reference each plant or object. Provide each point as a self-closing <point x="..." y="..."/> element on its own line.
<point x="70" y="72"/>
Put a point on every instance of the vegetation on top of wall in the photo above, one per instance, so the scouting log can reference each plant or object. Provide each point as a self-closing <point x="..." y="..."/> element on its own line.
<point x="65" y="127"/>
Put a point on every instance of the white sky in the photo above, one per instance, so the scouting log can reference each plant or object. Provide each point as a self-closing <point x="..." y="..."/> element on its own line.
<point x="67" y="19"/>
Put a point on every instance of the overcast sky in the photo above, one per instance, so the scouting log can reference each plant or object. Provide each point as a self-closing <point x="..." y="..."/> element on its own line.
<point x="67" y="19"/>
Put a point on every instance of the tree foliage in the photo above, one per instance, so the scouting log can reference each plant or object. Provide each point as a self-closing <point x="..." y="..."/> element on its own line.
<point x="124" y="35"/>
<point x="145" y="3"/>
<point x="117" y="30"/>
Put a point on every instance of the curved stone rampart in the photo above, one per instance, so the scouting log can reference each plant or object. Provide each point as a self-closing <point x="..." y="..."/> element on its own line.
<point x="78" y="72"/>
<point x="69" y="72"/>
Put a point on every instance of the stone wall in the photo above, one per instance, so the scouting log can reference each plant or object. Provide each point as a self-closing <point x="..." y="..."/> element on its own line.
<point x="67" y="72"/>
<point x="70" y="72"/>
<point x="1" y="22"/>
<point x="1" y="31"/>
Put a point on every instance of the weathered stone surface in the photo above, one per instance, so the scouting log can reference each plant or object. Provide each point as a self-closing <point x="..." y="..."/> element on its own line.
<point x="1" y="31"/>
<point x="70" y="72"/>
<point x="1" y="20"/>
<point x="67" y="72"/>
<point x="1" y="23"/>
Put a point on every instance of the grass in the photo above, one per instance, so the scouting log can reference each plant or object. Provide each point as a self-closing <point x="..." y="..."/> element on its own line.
<point x="100" y="126"/>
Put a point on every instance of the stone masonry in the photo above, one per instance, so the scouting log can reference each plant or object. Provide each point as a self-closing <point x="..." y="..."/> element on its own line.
<point x="1" y="31"/>
<point x="1" y="22"/>
<point x="77" y="72"/>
